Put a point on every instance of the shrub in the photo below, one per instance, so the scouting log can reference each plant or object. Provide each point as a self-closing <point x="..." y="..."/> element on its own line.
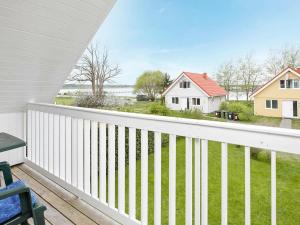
<point x="243" y="109"/>
<point x="89" y="101"/>
<point x="159" y="109"/>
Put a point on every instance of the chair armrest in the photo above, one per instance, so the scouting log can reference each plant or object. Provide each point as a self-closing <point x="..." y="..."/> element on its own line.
<point x="24" y="194"/>
<point x="5" y="168"/>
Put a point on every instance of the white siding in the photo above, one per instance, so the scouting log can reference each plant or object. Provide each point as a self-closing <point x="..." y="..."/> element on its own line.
<point x="215" y="102"/>
<point x="40" y="42"/>
<point x="183" y="94"/>
<point x="207" y="104"/>
<point x="13" y="123"/>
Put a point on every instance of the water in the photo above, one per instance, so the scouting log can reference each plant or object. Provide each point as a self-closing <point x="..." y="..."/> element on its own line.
<point x="128" y="92"/>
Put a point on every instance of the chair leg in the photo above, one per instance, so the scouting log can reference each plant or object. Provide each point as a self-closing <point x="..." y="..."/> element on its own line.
<point x="38" y="217"/>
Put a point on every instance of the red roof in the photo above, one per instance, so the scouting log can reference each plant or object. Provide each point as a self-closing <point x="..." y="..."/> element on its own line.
<point x="297" y="70"/>
<point x="209" y="86"/>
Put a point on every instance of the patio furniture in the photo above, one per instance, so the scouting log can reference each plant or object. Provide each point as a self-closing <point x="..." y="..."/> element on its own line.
<point x="17" y="202"/>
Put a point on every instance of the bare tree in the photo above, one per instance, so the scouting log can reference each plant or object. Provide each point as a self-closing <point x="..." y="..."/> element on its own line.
<point x="226" y="75"/>
<point x="279" y="60"/>
<point x="249" y="73"/>
<point x="95" y="69"/>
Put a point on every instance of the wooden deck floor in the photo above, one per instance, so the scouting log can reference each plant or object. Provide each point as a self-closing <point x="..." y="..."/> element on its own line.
<point x="62" y="206"/>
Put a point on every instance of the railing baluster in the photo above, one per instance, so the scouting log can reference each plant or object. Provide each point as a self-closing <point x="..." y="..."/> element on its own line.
<point x="144" y="177"/>
<point x="188" y="181"/>
<point x="247" y="187"/>
<point x="87" y="156"/>
<point x="68" y="149"/>
<point x="80" y="167"/>
<point x="62" y="147"/>
<point x="41" y="136"/>
<point x="132" y="172"/>
<point x="102" y="138"/>
<point x="74" y="152"/>
<point x="51" y="143"/>
<point x="204" y="170"/>
<point x="273" y="186"/>
<point x="111" y="165"/>
<point x="172" y="179"/>
<point x="94" y="158"/>
<point x="29" y="136"/>
<point x="197" y="181"/>
<point x="46" y="141"/>
<point x="56" y="145"/>
<point x="157" y="178"/>
<point x="37" y="137"/>
<point x="33" y="136"/>
<point x="121" y="169"/>
<point x="224" y="184"/>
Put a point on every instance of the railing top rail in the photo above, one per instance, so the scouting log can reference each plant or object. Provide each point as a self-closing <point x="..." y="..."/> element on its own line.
<point x="280" y="139"/>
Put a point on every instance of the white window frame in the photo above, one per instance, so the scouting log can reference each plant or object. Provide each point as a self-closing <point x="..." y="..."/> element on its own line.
<point x="196" y="101"/>
<point x="271" y="104"/>
<point x="175" y="100"/>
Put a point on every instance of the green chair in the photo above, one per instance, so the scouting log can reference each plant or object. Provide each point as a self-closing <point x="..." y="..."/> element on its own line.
<point x="17" y="202"/>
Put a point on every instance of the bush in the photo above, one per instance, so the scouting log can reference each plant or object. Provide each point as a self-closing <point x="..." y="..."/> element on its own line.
<point x="89" y="101"/>
<point x="159" y="109"/>
<point x="244" y="109"/>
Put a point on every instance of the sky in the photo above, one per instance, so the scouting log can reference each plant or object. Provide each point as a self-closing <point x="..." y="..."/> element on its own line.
<point x="194" y="35"/>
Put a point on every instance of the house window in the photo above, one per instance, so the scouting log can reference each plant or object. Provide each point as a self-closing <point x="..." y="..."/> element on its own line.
<point x="185" y="84"/>
<point x="296" y="83"/>
<point x="268" y="104"/>
<point x="196" y="101"/>
<point x="282" y="83"/>
<point x="272" y="104"/>
<point x="289" y="83"/>
<point x="175" y="100"/>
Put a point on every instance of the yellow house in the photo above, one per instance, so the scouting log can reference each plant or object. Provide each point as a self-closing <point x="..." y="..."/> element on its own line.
<point x="280" y="97"/>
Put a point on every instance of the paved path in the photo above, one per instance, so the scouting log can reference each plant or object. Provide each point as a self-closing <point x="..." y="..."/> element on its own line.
<point x="286" y="123"/>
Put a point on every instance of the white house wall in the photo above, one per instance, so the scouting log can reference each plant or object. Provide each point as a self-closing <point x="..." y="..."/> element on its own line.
<point x="183" y="94"/>
<point x="13" y="123"/>
<point x="40" y="42"/>
<point x="215" y="103"/>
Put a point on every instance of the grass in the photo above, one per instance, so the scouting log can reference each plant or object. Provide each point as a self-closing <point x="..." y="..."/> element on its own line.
<point x="288" y="178"/>
<point x="288" y="187"/>
<point x="296" y="123"/>
<point x="64" y="100"/>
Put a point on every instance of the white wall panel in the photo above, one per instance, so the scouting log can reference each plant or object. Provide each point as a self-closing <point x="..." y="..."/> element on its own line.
<point x="40" y="43"/>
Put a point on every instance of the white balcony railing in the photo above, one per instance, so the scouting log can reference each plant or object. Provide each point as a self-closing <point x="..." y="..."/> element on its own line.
<point x="70" y="145"/>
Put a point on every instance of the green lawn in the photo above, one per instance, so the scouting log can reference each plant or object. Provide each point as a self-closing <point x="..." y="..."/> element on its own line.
<point x="64" y="100"/>
<point x="296" y="124"/>
<point x="288" y="187"/>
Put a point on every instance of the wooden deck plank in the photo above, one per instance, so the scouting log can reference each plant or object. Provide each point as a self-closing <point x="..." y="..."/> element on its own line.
<point x="80" y="205"/>
<point x="51" y="214"/>
<point x="62" y="206"/>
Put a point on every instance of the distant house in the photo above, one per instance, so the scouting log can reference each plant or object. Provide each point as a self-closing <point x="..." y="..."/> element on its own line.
<point x="194" y="91"/>
<point x="280" y="97"/>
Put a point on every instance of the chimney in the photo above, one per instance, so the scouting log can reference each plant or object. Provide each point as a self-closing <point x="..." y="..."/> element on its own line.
<point x="205" y="75"/>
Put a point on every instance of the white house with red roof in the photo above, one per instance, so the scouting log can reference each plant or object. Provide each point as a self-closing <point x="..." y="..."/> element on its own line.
<point x="194" y="91"/>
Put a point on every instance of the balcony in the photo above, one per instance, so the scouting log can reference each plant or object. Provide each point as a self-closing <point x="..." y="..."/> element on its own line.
<point x="93" y="155"/>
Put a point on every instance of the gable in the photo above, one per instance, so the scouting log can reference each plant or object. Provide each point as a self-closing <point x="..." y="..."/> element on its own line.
<point x="175" y="88"/>
<point x="288" y="72"/>
<point x="273" y="90"/>
<point x="194" y="90"/>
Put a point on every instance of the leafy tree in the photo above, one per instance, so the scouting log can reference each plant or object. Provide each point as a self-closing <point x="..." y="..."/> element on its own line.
<point x="279" y="60"/>
<point x="249" y="72"/>
<point x="150" y="83"/>
<point x="226" y="75"/>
